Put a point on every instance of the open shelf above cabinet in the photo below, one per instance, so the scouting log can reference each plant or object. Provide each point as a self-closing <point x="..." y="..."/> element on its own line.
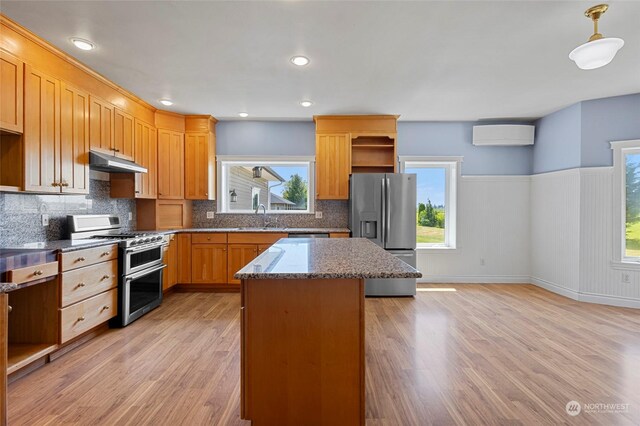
<point x="373" y="153"/>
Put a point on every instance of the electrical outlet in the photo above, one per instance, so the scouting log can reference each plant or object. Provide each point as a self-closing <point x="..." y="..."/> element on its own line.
<point x="626" y="278"/>
<point x="130" y="215"/>
<point x="482" y="261"/>
<point x="210" y="215"/>
<point x="318" y="215"/>
<point x="45" y="220"/>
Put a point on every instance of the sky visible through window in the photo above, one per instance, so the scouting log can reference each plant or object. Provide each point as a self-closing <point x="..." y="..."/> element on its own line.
<point x="430" y="184"/>
<point x="286" y="172"/>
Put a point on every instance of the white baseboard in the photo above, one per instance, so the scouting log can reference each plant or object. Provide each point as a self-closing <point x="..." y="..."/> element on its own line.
<point x="476" y="279"/>
<point x="601" y="299"/>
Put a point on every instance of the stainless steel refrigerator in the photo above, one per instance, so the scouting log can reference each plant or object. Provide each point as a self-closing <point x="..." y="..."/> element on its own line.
<point x="382" y="208"/>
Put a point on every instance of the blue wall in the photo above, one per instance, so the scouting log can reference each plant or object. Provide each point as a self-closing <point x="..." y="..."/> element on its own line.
<point x="414" y="138"/>
<point x="606" y="120"/>
<point x="557" y="140"/>
<point x="455" y="139"/>
<point x="265" y="138"/>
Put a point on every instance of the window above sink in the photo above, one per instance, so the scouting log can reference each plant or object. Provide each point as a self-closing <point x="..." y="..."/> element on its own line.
<point x="284" y="185"/>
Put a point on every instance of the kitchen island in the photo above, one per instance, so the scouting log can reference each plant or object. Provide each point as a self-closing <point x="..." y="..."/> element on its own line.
<point x="302" y="325"/>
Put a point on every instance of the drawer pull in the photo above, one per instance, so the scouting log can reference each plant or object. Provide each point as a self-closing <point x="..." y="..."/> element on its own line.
<point x="38" y="272"/>
<point x="106" y="253"/>
<point x="80" y="319"/>
<point x="105" y="277"/>
<point x="80" y="285"/>
<point x="81" y="259"/>
<point x="104" y="308"/>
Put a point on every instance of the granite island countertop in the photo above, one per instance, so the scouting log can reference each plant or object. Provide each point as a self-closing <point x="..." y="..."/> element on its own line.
<point x="257" y="229"/>
<point x="308" y="258"/>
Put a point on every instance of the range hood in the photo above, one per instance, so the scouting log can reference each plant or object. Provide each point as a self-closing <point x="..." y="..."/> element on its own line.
<point x="112" y="164"/>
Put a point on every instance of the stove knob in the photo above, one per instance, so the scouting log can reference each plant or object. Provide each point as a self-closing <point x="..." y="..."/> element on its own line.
<point x="159" y="238"/>
<point x="134" y="242"/>
<point x="146" y="240"/>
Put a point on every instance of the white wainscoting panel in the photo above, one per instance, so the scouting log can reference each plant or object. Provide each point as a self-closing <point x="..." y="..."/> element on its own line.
<point x="555" y="231"/>
<point x="493" y="228"/>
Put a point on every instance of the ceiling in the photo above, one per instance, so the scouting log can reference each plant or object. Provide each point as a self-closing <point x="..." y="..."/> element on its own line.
<point x="423" y="60"/>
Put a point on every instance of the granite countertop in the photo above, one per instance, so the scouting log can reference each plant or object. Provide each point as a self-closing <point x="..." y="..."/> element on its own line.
<point x="68" y="245"/>
<point x="6" y="287"/>
<point x="250" y="229"/>
<point x="308" y="258"/>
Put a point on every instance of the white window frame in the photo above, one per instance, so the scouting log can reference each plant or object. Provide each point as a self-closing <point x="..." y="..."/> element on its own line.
<point x="452" y="177"/>
<point x="225" y="161"/>
<point x="620" y="150"/>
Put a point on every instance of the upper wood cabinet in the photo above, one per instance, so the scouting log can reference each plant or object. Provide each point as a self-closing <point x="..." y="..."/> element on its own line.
<point x="170" y="165"/>
<point x="41" y="132"/>
<point x="123" y="135"/>
<point x="348" y="144"/>
<point x="200" y="157"/>
<point x="74" y="140"/>
<point x="333" y="165"/>
<point x="101" y="116"/>
<point x="146" y="154"/>
<point x="11" y="93"/>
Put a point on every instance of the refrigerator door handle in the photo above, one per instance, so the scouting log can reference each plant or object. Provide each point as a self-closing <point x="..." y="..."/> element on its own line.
<point x="387" y="212"/>
<point x="383" y="230"/>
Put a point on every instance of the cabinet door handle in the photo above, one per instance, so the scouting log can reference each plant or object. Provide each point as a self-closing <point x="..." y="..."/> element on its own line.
<point x="137" y="192"/>
<point x="80" y="285"/>
<point x="10" y="308"/>
<point x="38" y="272"/>
<point x="65" y="184"/>
<point x="55" y="184"/>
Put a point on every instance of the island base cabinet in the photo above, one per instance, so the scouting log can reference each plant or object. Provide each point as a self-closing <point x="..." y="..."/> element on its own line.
<point x="312" y="333"/>
<point x="4" y="317"/>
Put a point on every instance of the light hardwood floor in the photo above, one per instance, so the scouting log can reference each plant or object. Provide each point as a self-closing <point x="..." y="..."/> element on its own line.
<point x="483" y="354"/>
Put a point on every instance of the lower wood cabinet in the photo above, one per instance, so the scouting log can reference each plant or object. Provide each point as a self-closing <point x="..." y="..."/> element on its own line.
<point x="79" y="284"/>
<point x="83" y="316"/>
<point x="208" y="263"/>
<point x="170" y="258"/>
<point x="184" y="258"/>
<point x="239" y="256"/>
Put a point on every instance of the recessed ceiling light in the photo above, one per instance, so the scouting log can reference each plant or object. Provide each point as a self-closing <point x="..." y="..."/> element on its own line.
<point x="306" y="104"/>
<point x="243" y="114"/>
<point x="83" y="44"/>
<point x="166" y="102"/>
<point x="300" y="60"/>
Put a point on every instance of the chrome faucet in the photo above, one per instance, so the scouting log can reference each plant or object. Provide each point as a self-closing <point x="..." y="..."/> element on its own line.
<point x="265" y="221"/>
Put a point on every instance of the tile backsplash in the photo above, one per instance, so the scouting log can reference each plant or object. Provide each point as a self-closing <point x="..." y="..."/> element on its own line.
<point x="335" y="214"/>
<point x="21" y="221"/>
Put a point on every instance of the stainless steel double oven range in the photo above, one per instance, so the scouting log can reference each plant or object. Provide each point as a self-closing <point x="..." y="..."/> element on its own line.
<point x="140" y="264"/>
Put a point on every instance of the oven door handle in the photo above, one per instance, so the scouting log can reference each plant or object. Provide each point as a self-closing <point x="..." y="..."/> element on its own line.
<point x="144" y="272"/>
<point x="143" y="248"/>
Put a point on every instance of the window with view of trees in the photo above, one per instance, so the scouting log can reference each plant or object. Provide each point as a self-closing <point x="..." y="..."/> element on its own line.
<point x="435" y="210"/>
<point x="632" y="204"/>
<point x="281" y="186"/>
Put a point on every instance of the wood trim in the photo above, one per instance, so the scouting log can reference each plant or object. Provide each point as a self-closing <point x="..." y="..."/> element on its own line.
<point x="168" y="120"/>
<point x="254" y="237"/>
<point x="4" y="20"/>
<point x="207" y="288"/>
<point x="4" y="336"/>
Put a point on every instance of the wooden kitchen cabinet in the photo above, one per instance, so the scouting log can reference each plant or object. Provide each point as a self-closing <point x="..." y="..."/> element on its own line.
<point x="333" y="165"/>
<point x="140" y="185"/>
<point x="170" y="165"/>
<point x="41" y="132"/>
<point x="12" y="90"/>
<point x="101" y="117"/>
<point x="239" y="256"/>
<point x="209" y="263"/>
<point x="200" y="158"/>
<point x="123" y="134"/>
<point x="74" y="140"/>
<point x="184" y="258"/>
<point x="170" y="276"/>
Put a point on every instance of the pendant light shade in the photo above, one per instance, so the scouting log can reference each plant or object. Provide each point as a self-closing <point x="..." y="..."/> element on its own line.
<point x="598" y="51"/>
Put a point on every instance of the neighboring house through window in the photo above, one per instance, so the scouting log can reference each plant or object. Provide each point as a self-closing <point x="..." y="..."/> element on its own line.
<point x="282" y="184"/>
<point x="436" y="181"/>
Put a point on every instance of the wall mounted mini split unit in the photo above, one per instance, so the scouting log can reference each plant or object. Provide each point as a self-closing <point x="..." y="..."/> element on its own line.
<point x="503" y="135"/>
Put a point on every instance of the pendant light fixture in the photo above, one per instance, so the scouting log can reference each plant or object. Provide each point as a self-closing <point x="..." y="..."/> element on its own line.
<point x="599" y="50"/>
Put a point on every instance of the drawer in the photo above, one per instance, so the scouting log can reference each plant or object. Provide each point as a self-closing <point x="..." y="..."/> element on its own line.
<point x="80" y="258"/>
<point x="32" y="273"/>
<point x="82" y="283"/>
<point x="255" y="237"/>
<point x="339" y="235"/>
<point x="85" y="315"/>
<point x="209" y="238"/>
